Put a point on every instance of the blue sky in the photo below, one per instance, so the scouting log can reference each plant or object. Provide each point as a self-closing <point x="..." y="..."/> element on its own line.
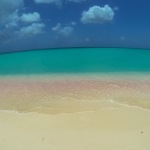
<point x="36" y="24"/>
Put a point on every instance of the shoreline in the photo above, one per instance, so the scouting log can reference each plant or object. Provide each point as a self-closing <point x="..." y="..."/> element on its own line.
<point x="75" y="112"/>
<point x="71" y="93"/>
<point x="81" y="75"/>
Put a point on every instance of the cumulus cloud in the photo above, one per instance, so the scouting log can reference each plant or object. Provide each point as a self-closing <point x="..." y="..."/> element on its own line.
<point x="9" y="11"/>
<point x="33" y="29"/>
<point x="13" y="24"/>
<point x="73" y="23"/>
<point x="12" y="20"/>
<point x="8" y="7"/>
<point x="9" y="18"/>
<point x="30" y="17"/>
<point x="67" y="30"/>
<point x="44" y="1"/>
<point x="57" y="2"/>
<point x="57" y="27"/>
<point x="97" y="14"/>
<point x="116" y="8"/>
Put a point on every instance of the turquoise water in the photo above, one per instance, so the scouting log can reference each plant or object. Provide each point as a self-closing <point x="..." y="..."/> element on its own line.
<point x="75" y="60"/>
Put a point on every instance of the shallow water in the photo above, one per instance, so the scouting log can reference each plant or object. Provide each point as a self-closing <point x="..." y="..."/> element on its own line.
<point x="73" y="80"/>
<point x="50" y="94"/>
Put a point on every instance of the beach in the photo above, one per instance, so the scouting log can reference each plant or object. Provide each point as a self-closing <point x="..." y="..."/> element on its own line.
<point x="120" y="128"/>
<point x="81" y="112"/>
<point x="76" y="99"/>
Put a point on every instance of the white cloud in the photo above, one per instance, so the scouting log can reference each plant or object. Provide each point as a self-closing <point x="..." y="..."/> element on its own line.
<point x="116" y="8"/>
<point x="67" y="30"/>
<point x="8" y="7"/>
<point x="57" y="27"/>
<point x="97" y="14"/>
<point x="30" y="17"/>
<point x="44" y="1"/>
<point x="73" y="23"/>
<point x="12" y="20"/>
<point x="10" y="25"/>
<point x="33" y="29"/>
<point x="9" y="11"/>
<point x="9" y="18"/>
<point x="57" y="2"/>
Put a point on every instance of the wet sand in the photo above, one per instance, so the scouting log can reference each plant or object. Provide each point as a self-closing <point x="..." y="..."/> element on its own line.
<point x="75" y="113"/>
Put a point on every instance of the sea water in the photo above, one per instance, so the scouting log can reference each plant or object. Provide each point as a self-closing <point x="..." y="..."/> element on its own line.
<point x="76" y="60"/>
<point x="74" y="79"/>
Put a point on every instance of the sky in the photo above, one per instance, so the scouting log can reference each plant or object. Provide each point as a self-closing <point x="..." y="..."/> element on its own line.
<point x="39" y="24"/>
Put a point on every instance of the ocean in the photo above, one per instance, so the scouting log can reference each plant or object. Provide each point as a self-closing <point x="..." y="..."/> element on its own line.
<point x="75" y="60"/>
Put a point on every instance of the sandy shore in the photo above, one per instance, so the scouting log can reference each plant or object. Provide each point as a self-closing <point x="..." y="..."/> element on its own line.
<point x="126" y="128"/>
<point x="75" y="113"/>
